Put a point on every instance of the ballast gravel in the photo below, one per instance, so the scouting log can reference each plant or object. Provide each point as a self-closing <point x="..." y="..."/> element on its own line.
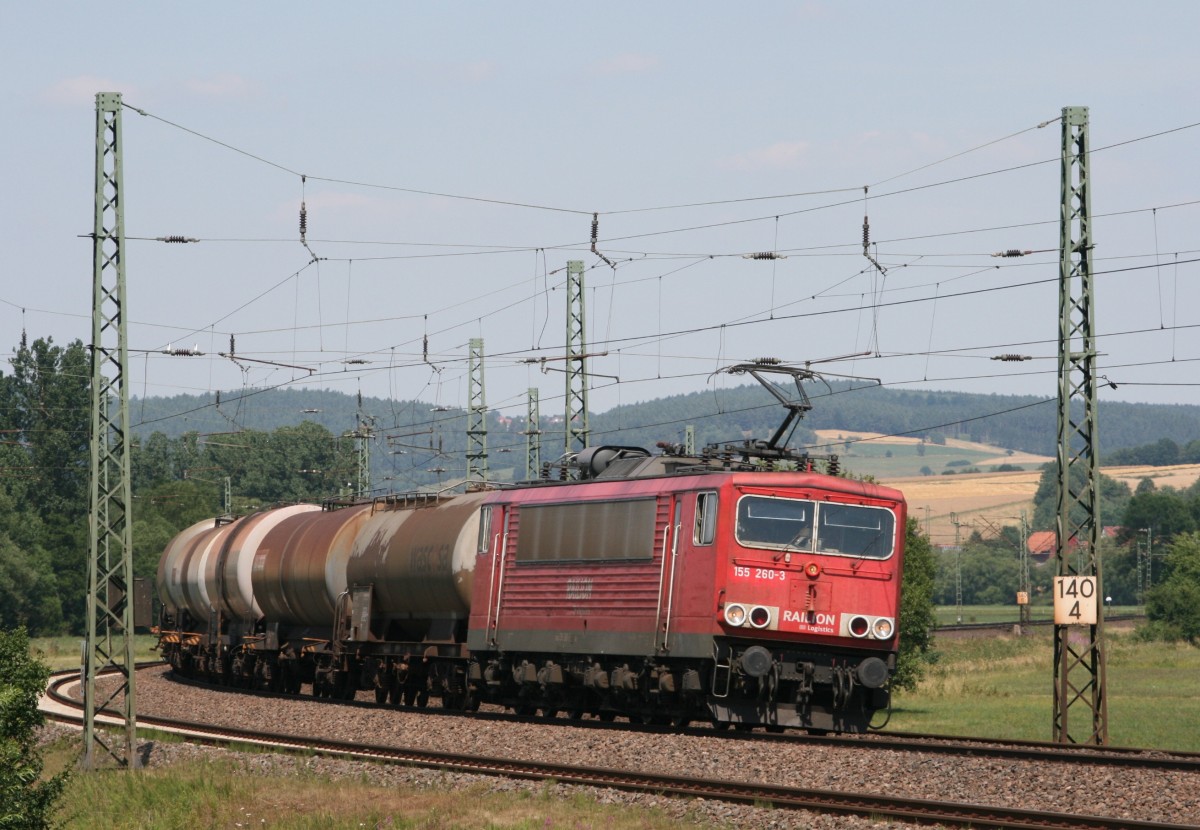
<point x="1080" y="788"/>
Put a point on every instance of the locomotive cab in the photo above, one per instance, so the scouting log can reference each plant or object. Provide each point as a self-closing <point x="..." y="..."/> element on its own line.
<point x="807" y="603"/>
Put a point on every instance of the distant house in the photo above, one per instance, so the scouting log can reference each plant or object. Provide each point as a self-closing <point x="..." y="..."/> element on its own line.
<point x="1041" y="543"/>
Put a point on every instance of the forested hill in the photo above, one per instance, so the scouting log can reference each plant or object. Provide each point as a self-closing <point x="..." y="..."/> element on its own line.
<point x="1023" y="423"/>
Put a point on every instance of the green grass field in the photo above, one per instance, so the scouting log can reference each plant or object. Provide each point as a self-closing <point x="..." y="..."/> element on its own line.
<point x="905" y="460"/>
<point x="1003" y="687"/>
<point x="67" y="652"/>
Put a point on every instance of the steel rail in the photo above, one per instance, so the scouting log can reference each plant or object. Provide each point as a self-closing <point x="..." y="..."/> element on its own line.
<point x="1009" y="749"/>
<point x="826" y="801"/>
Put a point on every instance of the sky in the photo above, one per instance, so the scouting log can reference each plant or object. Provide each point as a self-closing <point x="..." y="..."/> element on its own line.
<point x="449" y="158"/>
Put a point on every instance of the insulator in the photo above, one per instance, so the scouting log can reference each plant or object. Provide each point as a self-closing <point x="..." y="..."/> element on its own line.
<point x="763" y="255"/>
<point x="866" y="234"/>
<point x="232" y="352"/>
<point x="303" y="220"/>
<point x="175" y="239"/>
<point x="767" y="361"/>
<point x="1012" y="358"/>
<point x="831" y="466"/>
<point x="595" y="229"/>
<point x="1011" y="252"/>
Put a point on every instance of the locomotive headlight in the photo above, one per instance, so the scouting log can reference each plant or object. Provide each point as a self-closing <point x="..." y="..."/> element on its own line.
<point x="735" y="615"/>
<point x="882" y="628"/>
<point x="812" y="570"/>
<point x="760" y="617"/>
<point x="859" y="626"/>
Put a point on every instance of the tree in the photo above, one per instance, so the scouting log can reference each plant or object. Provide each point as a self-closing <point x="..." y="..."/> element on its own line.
<point x="28" y="591"/>
<point x="1173" y="606"/>
<point x="1114" y="495"/>
<point x="1165" y="510"/>
<point x="917" y="618"/>
<point x="45" y="406"/>
<point x="26" y="802"/>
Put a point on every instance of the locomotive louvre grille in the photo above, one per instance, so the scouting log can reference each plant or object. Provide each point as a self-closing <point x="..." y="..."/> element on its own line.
<point x="587" y="531"/>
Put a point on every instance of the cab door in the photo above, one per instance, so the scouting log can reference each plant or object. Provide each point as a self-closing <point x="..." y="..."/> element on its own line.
<point x="490" y="554"/>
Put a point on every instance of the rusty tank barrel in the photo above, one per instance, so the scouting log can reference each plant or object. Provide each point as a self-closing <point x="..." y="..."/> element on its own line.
<point x="420" y="564"/>
<point x="299" y="567"/>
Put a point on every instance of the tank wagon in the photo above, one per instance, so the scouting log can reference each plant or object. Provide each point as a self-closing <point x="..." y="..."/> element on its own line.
<point x="738" y="586"/>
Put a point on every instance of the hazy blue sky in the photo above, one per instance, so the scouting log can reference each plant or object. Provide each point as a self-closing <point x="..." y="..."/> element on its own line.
<point x="544" y="112"/>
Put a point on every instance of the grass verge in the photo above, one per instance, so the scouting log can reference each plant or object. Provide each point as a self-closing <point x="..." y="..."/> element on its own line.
<point x="1003" y="687"/>
<point x="268" y="791"/>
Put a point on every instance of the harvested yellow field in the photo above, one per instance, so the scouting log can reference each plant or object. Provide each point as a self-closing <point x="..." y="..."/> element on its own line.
<point x="988" y="501"/>
<point x="980" y="501"/>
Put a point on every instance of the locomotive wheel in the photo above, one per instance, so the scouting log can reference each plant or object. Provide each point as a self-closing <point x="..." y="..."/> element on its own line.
<point x="549" y="712"/>
<point x="395" y="693"/>
<point x="381" y="694"/>
<point x="607" y="716"/>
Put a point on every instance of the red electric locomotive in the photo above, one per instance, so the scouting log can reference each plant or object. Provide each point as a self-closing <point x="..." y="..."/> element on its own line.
<point x="666" y="590"/>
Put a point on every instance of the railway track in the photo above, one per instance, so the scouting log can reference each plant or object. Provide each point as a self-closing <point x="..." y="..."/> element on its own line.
<point x="823" y="801"/>
<point x="1127" y="757"/>
<point x="986" y="629"/>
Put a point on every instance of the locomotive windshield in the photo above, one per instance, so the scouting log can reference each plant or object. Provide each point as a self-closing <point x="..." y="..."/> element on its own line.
<point x="846" y="529"/>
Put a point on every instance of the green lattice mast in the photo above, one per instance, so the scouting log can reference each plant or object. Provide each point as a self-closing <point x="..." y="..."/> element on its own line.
<point x="108" y="649"/>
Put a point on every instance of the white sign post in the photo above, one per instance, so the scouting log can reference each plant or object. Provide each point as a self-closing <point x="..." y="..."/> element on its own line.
<point x="1075" y="600"/>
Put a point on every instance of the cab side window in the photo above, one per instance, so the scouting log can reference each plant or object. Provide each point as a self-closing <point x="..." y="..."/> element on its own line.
<point x="485" y="531"/>
<point x="706" y="519"/>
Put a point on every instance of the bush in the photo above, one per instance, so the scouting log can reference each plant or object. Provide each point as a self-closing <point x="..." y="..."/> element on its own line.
<point x="917" y="616"/>
<point x="1173" y="606"/>
<point x="26" y="802"/>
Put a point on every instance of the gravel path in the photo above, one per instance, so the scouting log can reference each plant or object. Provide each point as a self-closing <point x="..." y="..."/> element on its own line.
<point x="1166" y="796"/>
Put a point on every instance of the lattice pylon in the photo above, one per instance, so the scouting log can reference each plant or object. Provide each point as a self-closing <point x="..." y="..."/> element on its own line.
<point x="1079" y="671"/>
<point x="108" y="649"/>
